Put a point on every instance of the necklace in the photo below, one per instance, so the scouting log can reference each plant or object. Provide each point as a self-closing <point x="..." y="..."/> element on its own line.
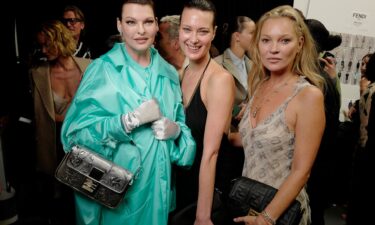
<point x="267" y="97"/>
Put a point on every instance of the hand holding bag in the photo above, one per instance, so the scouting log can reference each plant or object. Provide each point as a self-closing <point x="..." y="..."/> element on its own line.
<point x="93" y="176"/>
<point x="250" y="197"/>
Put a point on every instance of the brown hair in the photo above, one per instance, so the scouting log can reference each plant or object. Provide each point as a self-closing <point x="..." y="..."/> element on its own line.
<point x="77" y="11"/>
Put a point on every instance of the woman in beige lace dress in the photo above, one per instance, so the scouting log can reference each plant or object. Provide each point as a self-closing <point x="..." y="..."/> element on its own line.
<point x="284" y="120"/>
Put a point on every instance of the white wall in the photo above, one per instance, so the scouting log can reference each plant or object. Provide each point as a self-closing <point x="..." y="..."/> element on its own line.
<point x="337" y="15"/>
<point x="353" y="17"/>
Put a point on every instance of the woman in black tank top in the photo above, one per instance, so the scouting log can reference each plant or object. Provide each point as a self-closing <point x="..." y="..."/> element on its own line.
<point x="208" y="95"/>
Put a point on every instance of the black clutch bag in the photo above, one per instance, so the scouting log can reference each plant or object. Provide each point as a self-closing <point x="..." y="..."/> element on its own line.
<point x="250" y="197"/>
<point x="93" y="176"/>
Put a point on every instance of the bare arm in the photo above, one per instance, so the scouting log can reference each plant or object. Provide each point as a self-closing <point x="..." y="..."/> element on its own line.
<point x="307" y="118"/>
<point x="309" y="128"/>
<point x="219" y="104"/>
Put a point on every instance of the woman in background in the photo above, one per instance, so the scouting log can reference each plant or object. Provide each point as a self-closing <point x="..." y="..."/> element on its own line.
<point x="237" y="35"/>
<point x="364" y="155"/>
<point x="54" y="84"/>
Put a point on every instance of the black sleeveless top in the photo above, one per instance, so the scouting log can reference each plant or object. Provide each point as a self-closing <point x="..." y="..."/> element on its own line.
<point x="226" y="167"/>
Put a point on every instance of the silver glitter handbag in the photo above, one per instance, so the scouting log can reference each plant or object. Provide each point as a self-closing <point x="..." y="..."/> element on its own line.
<point x="93" y="176"/>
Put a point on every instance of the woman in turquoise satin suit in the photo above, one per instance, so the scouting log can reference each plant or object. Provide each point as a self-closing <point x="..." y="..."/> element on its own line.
<point x="129" y="109"/>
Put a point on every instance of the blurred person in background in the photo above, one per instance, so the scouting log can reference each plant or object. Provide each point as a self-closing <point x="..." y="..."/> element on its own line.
<point x="321" y="194"/>
<point x="54" y="84"/>
<point x="237" y="34"/>
<point x="363" y="166"/>
<point x="74" y="20"/>
<point x="167" y="42"/>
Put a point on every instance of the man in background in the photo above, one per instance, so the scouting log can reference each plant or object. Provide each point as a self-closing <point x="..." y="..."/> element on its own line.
<point x="167" y="42"/>
<point x="74" y="20"/>
<point x="319" y="186"/>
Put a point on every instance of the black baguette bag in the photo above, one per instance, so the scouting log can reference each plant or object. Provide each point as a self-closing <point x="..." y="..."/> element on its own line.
<point x="93" y="176"/>
<point x="250" y="197"/>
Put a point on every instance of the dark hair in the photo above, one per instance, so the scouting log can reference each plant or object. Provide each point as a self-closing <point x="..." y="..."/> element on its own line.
<point x="324" y="41"/>
<point x="112" y="40"/>
<point x="234" y="24"/>
<point x="79" y="14"/>
<point x="204" y="5"/>
<point x="370" y="69"/>
<point x="368" y="55"/>
<point x="77" y="11"/>
<point x="139" y="2"/>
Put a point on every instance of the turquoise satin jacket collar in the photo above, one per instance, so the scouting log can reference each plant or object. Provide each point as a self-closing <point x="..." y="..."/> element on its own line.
<point x="121" y="61"/>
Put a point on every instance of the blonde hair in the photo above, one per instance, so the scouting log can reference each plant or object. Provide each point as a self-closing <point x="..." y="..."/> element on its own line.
<point x="59" y="37"/>
<point x="306" y="62"/>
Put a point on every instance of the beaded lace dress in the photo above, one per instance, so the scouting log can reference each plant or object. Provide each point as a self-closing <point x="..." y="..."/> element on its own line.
<point x="269" y="148"/>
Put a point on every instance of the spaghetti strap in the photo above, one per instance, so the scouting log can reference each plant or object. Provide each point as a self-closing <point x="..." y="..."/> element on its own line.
<point x="198" y="83"/>
<point x="183" y="73"/>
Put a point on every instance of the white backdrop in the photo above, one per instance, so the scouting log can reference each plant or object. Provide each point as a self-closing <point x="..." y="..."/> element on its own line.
<point x="354" y="19"/>
<point x="342" y="16"/>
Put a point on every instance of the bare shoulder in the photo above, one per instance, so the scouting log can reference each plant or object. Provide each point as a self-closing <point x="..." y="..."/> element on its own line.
<point x="219" y="86"/>
<point x="309" y="96"/>
<point x="219" y="75"/>
<point x="311" y="91"/>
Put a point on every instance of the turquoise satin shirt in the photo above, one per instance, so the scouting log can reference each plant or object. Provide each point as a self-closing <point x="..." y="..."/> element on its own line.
<point x="113" y="85"/>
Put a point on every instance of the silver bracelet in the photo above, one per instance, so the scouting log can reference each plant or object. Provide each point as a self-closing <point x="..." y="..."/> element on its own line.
<point x="268" y="218"/>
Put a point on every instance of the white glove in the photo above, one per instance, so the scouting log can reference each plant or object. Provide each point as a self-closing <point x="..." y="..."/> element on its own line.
<point x="147" y="112"/>
<point x="165" y="129"/>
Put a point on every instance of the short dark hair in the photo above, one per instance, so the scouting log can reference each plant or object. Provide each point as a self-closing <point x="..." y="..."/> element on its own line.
<point x="139" y="2"/>
<point x="324" y="41"/>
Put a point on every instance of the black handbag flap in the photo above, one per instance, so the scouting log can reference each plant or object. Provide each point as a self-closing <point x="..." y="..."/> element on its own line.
<point x="248" y="195"/>
<point x="94" y="167"/>
<point x="256" y="194"/>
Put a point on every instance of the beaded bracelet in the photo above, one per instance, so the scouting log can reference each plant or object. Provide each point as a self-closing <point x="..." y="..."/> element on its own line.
<point x="268" y="218"/>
